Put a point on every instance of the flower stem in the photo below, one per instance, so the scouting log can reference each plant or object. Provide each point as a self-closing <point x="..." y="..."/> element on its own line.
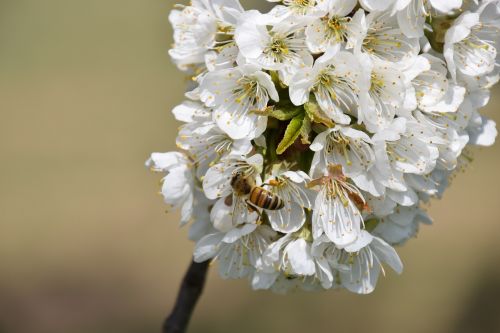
<point x="189" y="293"/>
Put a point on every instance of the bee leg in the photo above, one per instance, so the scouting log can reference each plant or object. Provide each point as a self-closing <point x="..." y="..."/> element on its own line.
<point x="253" y="208"/>
<point x="271" y="183"/>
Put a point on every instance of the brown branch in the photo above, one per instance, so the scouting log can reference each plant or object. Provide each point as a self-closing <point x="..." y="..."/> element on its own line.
<point x="190" y="290"/>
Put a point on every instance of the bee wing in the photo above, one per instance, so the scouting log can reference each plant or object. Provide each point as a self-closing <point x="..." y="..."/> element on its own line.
<point x="241" y="212"/>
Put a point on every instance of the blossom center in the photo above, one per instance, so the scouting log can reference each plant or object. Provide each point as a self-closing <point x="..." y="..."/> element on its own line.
<point x="279" y="47"/>
<point x="377" y="83"/>
<point x="339" y="143"/>
<point x="338" y="88"/>
<point x="300" y="6"/>
<point x="337" y="27"/>
<point x="247" y="88"/>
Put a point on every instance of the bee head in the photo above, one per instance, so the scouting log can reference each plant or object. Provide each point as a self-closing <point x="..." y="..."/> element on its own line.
<point x="242" y="183"/>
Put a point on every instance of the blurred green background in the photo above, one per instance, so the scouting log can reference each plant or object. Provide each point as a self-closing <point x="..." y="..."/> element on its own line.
<point x="86" y="89"/>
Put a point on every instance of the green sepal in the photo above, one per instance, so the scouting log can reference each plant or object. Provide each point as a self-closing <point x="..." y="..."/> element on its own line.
<point x="292" y="132"/>
<point x="317" y="115"/>
<point x="371" y="224"/>
<point x="277" y="81"/>
<point x="283" y="113"/>
<point x="304" y="233"/>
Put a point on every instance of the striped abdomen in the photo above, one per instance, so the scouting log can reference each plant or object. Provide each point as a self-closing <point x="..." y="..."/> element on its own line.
<point x="262" y="198"/>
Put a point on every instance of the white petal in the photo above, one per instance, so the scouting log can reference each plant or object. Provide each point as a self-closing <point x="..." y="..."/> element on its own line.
<point x="319" y="141"/>
<point x="324" y="273"/>
<point x="287" y="219"/>
<point x="450" y="102"/>
<point x="164" y="161"/>
<point x="299" y="255"/>
<point x="387" y="254"/>
<point x="376" y="5"/>
<point x="220" y="215"/>
<point x="189" y="110"/>
<point x="237" y="128"/>
<point x="266" y="81"/>
<point x="263" y="280"/>
<point x="177" y="186"/>
<point x="236" y="233"/>
<point x="446" y="6"/>
<point x="207" y="247"/>
<point x="484" y="135"/>
<point x="216" y="182"/>
<point x="250" y="37"/>
<point x="363" y="240"/>
<point x="300" y="87"/>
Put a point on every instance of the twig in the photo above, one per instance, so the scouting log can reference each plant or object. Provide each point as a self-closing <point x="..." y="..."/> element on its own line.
<point x="190" y="291"/>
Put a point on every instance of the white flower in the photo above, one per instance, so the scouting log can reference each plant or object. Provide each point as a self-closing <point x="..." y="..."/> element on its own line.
<point x="336" y="211"/>
<point x="217" y="181"/>
<point x="402" y="225"/>
<point x="413" y="13"/>
<point x="345" y="146"/>
<point x="234" y="94"/>
<point x="365" y="260"/>
<point x="481" y="130"/>
<point x="331" y="26"/>
<point x="378" y="35"/>
<point x="177" y="185"/>
<point x="225" y="57"/>
<point x="190" y="111"/>
<point x="470" y="43"/>
<point x="380" y="103"/>
<point x="385" y="173"/>
<point x="335" y="80"/>
<point x="432" y="90"/>
<point x="430" y="185"/>
<point x="312" y="134"/>
<point x="379" y="205"/>
<point x="290" y="187"/>
<point x="196" y="28"/>
<point x="237" y="251"/>
<point x="272" y="44"/>
<point x="295" y="8"/>
<point x="281" y="283"/>
<point x="451" y="131"/>
<point x="292" y="257"/>
<point x="231" y="209"/>
<point x="445" y="7"/>
<point x="376" y="5"/>
<point x="411" y="153"/>
<point x="207" y="143"/>
<point x="406" y="146"/>
<point x="479" y="86"/>
<point x="201" y="225"/>
<point x="412" y="17"/>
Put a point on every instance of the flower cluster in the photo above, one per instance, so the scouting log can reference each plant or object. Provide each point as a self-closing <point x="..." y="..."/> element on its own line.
<point x="314" y="133"/>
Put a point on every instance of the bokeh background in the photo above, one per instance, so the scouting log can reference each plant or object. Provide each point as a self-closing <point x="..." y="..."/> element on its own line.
<point x="86" y="89"/>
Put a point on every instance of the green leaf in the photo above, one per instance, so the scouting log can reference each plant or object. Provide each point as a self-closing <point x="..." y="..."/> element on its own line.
<point x="317" y="115"/>
<point x="282" y="113"/>
<point x="305" y="130"/>
<point x="291" y="134"/>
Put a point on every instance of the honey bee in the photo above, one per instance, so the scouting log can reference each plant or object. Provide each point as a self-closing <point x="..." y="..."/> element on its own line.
<point x="244" y="185"/>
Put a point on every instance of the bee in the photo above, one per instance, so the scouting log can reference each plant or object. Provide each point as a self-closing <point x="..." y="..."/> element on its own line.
<point x="244" y="185"/>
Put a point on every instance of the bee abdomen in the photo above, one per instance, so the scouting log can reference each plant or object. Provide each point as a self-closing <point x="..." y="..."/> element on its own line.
<point x="264" y="199"/>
